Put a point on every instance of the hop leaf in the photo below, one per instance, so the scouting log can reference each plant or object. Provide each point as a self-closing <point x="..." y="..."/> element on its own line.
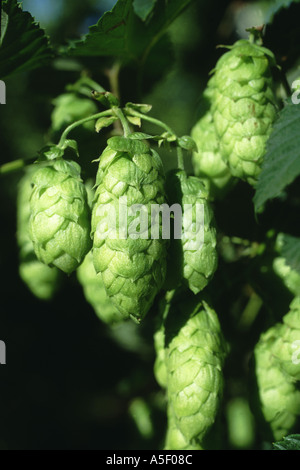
<point x="133" y="265"/>
<point x="70" y="107"/>
<point x="194" y="265"/>
<point x="244" y="107"/>
<point x="59" y="222"/>
<point x="41" y="280"/>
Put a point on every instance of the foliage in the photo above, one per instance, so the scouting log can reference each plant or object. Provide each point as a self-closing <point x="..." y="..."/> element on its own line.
<point x="161" y="101"/>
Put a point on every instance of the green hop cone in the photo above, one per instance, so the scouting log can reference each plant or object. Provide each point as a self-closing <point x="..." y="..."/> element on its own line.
<point x="41" y="280"/>
<point x="244" y="107"/>
<point x="71" y="107"/>
<point x="208" y="163"/>
<point x="191" y="263"/>
<point x="60" y="215"/>
<point x="95" y="292"/>
<point x="277" y="369"/>
<point x="175" y="440"/>
<point x="195" y="355"/>
<point x="133" y="265"/>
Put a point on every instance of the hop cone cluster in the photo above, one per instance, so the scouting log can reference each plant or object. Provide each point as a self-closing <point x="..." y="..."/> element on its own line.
<point x="277" y="368"/>
<point x="208" y="163"/>
<point x="244" y="107"/>
<point x="195" y="267"/>
<point x="133" y="265"/>
<point x="41" y="280"/>
<point x="60" y="215"/>
<point x="194" y="356"/>
<point x="95" y="292"/>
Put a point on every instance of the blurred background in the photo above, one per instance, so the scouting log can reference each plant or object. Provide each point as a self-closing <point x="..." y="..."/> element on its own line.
<point x="70" y="381"/>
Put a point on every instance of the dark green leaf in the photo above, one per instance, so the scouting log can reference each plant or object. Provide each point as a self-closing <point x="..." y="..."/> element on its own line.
<point x="291" y="442"/>
<point x="120" y="33"/>
<point x="24" y="45"/>
<point x="143" y="8"/>
<point x="282" y="160"/>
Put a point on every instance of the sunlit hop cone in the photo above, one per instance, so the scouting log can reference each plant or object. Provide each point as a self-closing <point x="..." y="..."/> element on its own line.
<point x="207" y="160"/>
<point x="194" y="257"/>
<point x="60" y="215"/>
<point x="244" y="107"/>
<point x="41" y="280"/>
<point x="195" y="354"/>
<point x="95" y="292"/>
<point x="277" y="369"/>
<point x="133" y="265"/>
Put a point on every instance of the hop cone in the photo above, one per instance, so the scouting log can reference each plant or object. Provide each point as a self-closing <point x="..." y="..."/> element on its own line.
<point x="194" y="265"/>
<point x="95" y="292"/>
<point x="289" y="276"/>
<point x="41" y="280"/>
<point x="277" y="369"/>
<point x="133" y="265"/>
<point x="195" y="354"/>
<point x="207" y="161"/>
<point x="244" y="107"/>
<point x="60" y="222"/>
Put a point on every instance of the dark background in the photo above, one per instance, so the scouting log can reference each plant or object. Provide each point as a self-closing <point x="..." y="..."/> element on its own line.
<point x="69" y="380"/>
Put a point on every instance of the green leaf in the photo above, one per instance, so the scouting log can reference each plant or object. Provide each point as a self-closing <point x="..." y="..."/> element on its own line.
<point x="123" y="144"/>
<point x="291" y="442"/>
<point x="106" y="98"/>
<point x="290" y="250"/>
<point x="143" y="8"/>
<point x="141" y="108"/>
<point x="24" y="45"/>
<point x="120" y="33"/>
<point x="187" y="143"/>
<point x="105" y="122"/>
<point x="72" y="144"/>
<point x="282" y="160"/>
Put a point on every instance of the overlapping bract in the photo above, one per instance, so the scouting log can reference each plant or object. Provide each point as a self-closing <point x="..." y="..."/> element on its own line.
<point x="277" y="368"/>
<point x="208" y="163"/>
<point x="193" y="358"/>
<point x="195" y="266"/>
<point x="95" y="292"/>
<point x="244" y="107"/>
<point x="41" y="280"/>
<point x="133" y="266"/>
<point x="60" y="215"/>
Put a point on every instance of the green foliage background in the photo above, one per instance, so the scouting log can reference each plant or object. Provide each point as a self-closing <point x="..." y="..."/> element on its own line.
<point x="71" y="382"/>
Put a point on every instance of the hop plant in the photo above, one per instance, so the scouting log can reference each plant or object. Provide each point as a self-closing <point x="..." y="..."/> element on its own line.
<point x="193" y="265"/>
<point x="133" y="265"/>
<point x="208" y="163"/>
<point x="95" y="292"/>
<point x="244" y="107"/>
<point x="40" y="279"/>
<point x="60" y="215"/>
<point x="278" y="373"/>
<point x="195" y="352"/>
